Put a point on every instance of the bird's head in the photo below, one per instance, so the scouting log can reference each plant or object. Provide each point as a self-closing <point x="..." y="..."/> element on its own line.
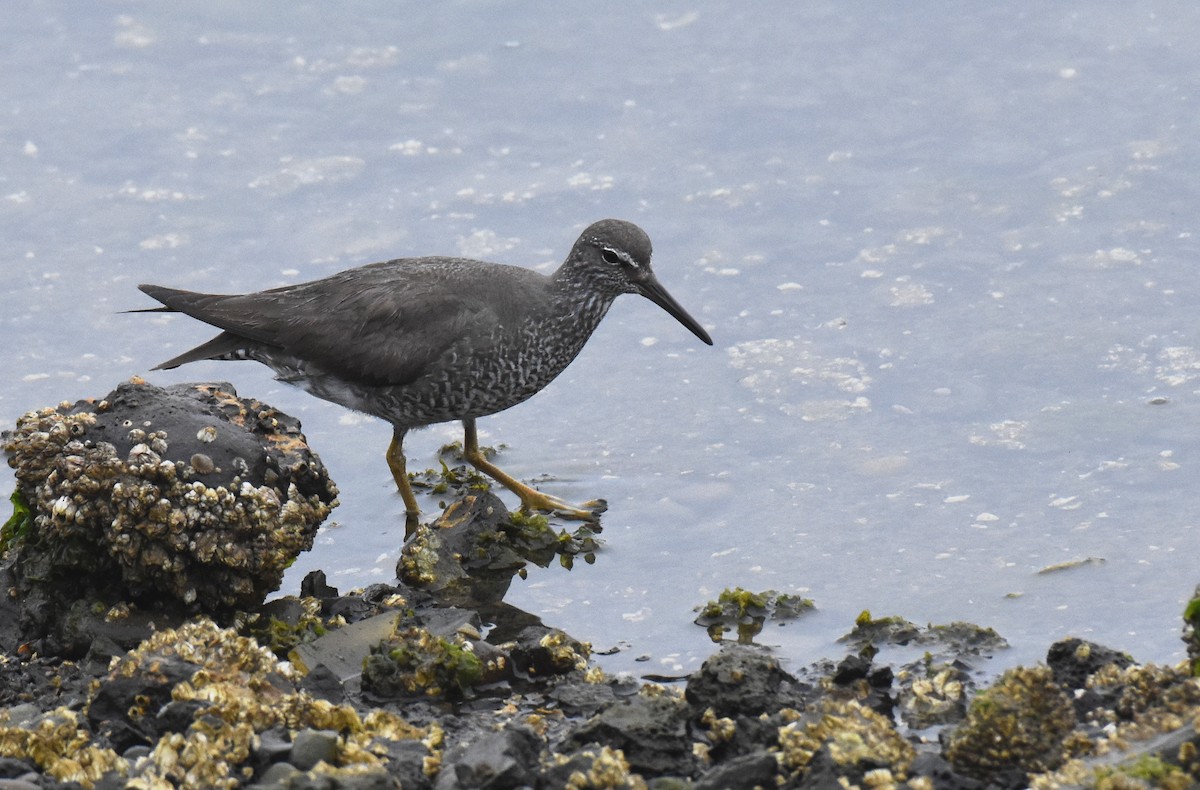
<point x="613" y="256"/>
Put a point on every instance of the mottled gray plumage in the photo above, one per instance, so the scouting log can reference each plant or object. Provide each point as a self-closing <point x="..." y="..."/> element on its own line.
<point x="417" y="341"/>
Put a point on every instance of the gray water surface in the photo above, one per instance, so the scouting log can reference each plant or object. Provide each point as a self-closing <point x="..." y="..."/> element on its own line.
<point x="947" y="254"/>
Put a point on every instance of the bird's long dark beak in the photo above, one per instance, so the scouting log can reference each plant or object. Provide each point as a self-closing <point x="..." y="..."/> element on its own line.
<point x="653" y="290"/>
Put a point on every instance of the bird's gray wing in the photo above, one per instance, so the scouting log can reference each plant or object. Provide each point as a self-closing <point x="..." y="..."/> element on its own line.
<point x="385" y="323"/>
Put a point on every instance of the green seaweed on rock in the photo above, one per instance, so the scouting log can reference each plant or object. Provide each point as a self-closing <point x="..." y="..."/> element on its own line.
<point x="17" y="528"/>
<point x="747" y="611"/>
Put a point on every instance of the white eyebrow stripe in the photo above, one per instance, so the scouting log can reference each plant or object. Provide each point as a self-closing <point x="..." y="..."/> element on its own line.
<point x="624" y="256"/>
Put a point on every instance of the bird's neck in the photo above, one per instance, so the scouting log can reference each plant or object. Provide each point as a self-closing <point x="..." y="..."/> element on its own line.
<point x="578" y="298"/>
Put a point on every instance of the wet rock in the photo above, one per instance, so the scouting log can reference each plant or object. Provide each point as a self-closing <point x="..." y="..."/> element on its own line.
<point x="323" y="684"/>
<point x="740" y="680"/>
<point x="651" y="731"/>
<point x="934" y="767"/>
<point x="124" y="709"/>
<point x="1073" y="661"/>
<point x="409" y="762"/>
<point x="872" y="684"/>
<point x="310" y="747"/>
<point x="581" y="698"/>
<point x="539" y="652"/>
<point x="372" y="779"/>
<point x="11" y="768"/>
<point x="493" y="761"/>
<point x="746" y="772"/>
<point x="957" y="638"/>
<point x="103" y="633"/>
<point x="464" y="557"/>
<point x="341" y="651"/>
<point x="21" y="783"/>
<point x="277" y="776"/>
<point x="118" y="511"/>
<point x="469" y="555"/>
<point x="274" y="746"/>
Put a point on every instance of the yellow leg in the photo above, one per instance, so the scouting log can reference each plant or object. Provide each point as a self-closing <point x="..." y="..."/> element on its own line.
<point x="398" y="465"/>
<point x="531" y="499"/>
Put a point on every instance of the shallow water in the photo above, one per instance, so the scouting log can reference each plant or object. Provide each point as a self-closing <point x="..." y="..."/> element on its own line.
<point x="946" y="255"/>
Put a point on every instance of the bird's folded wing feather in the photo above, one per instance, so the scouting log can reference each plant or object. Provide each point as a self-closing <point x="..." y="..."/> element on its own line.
<point x="375" y="327"/>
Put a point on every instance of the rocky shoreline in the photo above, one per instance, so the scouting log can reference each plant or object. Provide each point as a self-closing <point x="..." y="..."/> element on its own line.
<point x="154" y="669"/>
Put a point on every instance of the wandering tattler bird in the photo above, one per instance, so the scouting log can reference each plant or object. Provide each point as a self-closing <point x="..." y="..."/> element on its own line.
<point x="418" y="341"/>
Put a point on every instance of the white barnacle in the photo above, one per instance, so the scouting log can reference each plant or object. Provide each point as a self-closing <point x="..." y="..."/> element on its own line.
<point x="141" y="452"/>
<point x="207" y="434"/>
<point x="63" y="507"/>
<point x="269" y="496"/>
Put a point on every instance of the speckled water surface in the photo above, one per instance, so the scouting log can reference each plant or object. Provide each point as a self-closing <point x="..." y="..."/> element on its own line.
<point x="948" y="256"/>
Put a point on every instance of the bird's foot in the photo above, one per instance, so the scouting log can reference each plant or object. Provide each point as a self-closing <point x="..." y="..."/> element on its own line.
<point x="532" y="499"/>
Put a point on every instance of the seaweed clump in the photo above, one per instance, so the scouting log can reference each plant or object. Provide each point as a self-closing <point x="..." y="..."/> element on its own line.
<point x="746" y="612"/>
<point x="414" y="661"/>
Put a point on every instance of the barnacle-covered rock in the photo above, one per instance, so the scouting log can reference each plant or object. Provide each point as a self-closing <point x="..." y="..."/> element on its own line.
<point x="1143" y="736"/>
<point x="187" y="494"/>
<point x="931" y="693"/>
<point x="1018" y="725"/>
<point x="60" y="744"/>
<point x="845" y="738"/>
<point x="231" y="691"/>
<point x="602" y="767"/>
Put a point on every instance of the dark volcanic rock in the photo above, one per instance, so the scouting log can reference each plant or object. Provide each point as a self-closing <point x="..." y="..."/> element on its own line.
<point x="652" y="731"/>
<point x="492" y="761"/>
<point x="464" y="557"/>
<point x="1074" y="660"/>
<point x="746" y="772"/>
<point x="741" y="680"/>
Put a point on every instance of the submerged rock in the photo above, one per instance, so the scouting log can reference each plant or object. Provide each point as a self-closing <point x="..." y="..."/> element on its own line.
<point x="188" y="499"/>
<point x="745" y="612"/>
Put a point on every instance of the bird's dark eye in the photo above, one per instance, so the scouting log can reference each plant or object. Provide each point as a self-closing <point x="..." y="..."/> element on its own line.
<point x="610" y="255"/>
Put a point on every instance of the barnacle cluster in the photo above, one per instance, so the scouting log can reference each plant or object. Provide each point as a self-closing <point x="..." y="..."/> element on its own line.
<point x="117" y="491"/>
<point x="602" y="767"/>
<point x="854" y="736"/>
<point x="243" y="690"/>
<point x="1021" y="721"/>
<point x="932" y="693"/>
<point x="559" y="653"/>
<point x="1147" y="738"/>
<point x="59" y="743"/>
